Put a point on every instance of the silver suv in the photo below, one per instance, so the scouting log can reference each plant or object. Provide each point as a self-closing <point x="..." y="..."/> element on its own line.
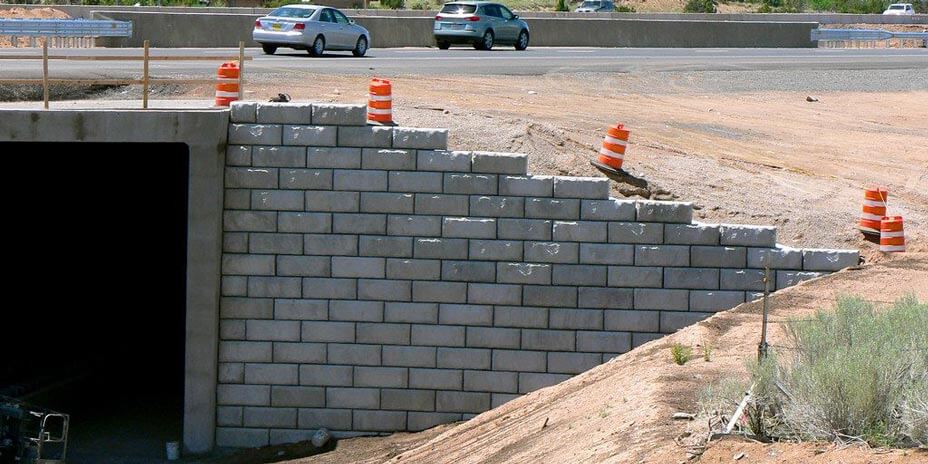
<point x="482" y="24"/>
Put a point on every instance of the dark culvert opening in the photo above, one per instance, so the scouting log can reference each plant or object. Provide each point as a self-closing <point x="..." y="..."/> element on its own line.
<point x="97" y="252"/>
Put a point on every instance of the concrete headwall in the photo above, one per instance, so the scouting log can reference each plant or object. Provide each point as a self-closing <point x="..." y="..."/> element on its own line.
<point x="374" y="282"/>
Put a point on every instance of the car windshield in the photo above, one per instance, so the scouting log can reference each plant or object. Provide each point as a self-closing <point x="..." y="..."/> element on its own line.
<point x="896" y="7"/>
<point x="590" y="5"/>
<point x="458" y="8"/>
<point x="286" y="12"/>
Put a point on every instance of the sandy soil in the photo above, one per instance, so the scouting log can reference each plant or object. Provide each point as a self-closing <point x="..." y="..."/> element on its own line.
<point x="620" y="412"/>
<point x="23" y="13"/>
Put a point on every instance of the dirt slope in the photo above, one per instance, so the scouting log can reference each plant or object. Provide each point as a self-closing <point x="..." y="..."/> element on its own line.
<point x="620" y="411"/>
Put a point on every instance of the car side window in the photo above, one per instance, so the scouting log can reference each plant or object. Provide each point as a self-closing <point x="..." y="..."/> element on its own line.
<point x="326" y="16"/>
<point x="491" y="10"/>
<point x="505" y="13"/>
<point x="339" y="17"/>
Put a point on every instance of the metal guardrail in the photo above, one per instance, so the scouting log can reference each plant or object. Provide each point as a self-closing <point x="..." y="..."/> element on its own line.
<point x="65" y="28"/>
<point x="865" y="34"/>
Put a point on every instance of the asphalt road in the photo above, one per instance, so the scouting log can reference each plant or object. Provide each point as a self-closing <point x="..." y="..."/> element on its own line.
<point x="535" y="61"/>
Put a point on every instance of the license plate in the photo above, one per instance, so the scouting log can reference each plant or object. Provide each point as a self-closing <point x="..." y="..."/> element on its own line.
<point x="454" y="27"/>
<point x="276" y="27"/>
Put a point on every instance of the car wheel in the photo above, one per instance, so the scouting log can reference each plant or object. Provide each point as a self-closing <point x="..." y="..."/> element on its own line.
<point x="442" y="45"/>
<point x="487" y="42"/>
<point x="269" y="49"/>
<point x="522" y="43"/>
<point x="361" y="47"/>
<point x="318" y="47"/>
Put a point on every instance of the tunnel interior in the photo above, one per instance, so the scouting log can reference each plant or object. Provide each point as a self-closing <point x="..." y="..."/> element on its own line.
<point x="98" y="238"/>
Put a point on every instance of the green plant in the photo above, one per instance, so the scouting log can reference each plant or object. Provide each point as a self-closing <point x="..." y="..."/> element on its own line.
<point x="561" y="5"/>
<point x="699" y="6"/>
<point x="680" y="353"/>
<point x="392" y="4"/>
<point x="624" y="9"/>
<point x="706" y="351"/>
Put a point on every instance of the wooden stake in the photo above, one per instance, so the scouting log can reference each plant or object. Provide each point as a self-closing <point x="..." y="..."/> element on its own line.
<point x="241" y="69"/>
<point x="45" y="73"/>
<point x="145" y="78"/>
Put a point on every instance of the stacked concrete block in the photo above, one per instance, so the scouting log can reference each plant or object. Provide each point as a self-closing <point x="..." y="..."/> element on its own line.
<point x="375" y="281"/>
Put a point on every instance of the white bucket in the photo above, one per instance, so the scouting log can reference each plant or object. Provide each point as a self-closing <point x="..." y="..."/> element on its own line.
<point x="172" y="449"/>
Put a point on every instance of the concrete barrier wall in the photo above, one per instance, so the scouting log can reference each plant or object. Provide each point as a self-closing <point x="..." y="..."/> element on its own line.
<point x="226" y="30"/>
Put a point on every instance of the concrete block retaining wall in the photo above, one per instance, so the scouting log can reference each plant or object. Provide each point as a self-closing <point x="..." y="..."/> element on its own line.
<point x="373" y="281"/>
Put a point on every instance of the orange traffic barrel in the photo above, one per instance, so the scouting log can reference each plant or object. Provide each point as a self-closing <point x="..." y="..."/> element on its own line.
<point x="892" y="235"/>
<point x="380" y="101"/>
<point x="227" y="87"/>
<point x="613" y="150"/>
<point x="874" y="209"/>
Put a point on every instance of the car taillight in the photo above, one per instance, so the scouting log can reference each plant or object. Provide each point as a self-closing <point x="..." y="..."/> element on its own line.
<point x="299" y="26"/>
<point x="257" y="24"/>
<point x="473" y="18"/>
<point x="439" y="17"/>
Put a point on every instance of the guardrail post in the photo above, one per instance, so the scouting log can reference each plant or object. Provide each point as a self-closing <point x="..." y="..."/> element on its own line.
<point x="241" y="69"/>
<point x="145" y="77"/>
<point x="45" y="72"/>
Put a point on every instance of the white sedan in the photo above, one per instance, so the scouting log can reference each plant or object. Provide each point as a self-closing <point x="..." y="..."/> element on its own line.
<point x="900" y="9"/>
<point x="313" y="28"/>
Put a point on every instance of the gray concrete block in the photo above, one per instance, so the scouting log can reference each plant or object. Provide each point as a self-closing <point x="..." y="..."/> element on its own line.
<point x="488" y="381"/>
<point x="673" y="321"/>
<point x="285" y="436"/>
<point x="337" y="158"/>
<point x="712" y="301"/>
<point x="709" y="256"/>
<point x="345" y="266"/>
<point x="409" y="356"/>
<point x="328" y="331"/>
<point x="319" y="287"/>
<point x="548" y="340"/>
<point x="530" y="381"/>
<point x="384" y="334"/>
<point x="463" y="358"/>
<point x="243" y="395"/>
<point x="520" y="316"/>
<point x="359" y="179"/>
<point x="270" y="417"/>
<point x="435" y="379"/>
<point x="790" y="278"/>
<point x="386" y="159"/>
<point x="246" y="308"/>
<point x="387" y="377"/>
<point x="414" y="269"/>
<point x="462" y="402"/>
<point x="235" y="242"/>
<point x="744" y="279"/>
<point x="231" y="329"/>
<point x="310" y="136"/>
<point x="471" y="184"/>
<point x="468" y="271"/>
<point x="573" y="363"/>
<point x="775" y="258"/>
<point x="583" y="231"/>
<point x="385" y="290"/>
<point x="492" y="337"/>
<point x="691" y="234"/>
<point x="587" y="319"/>
<point x="439" y="292"/>
<point x="523" y="273"/>
<point x="301" y="397"/>
<point x="356" y="355"/>
<point x="255" y="134"/>
<point x="594" y="188"/>
<point x="241" y="111"/>
<point x="273" y="287"/>
<point x="422" y="226"/>
<point x="443" y="160"/>
<point x="602" y="253"/>
<point x="426" y="313"/>
<point x="654" y="298"/>
<point x="325" y="244"/>
<point x="379" y="245"/>
<point x="493" y="206"/>
<point x="632" y="321"/>
<point x="464" y="227"/>
<point x="237" y="199"/>
<point x="662" y="255"/>
<point x="579" y="274"/>
<point x="306" y="223"/>
<point x="251" y="178"/>
<point x="552" y="208"/>
<point x="366" y="136"/>
<point x="752" y="236"/>
<point x="234" y="286"/>
<point x="247" y="264"/>
<point x="346" y="223"/>
<point x="408" y="400"/>
<point x="336" y="114"/>
<point x="447" y="205"/>
<point x="613" y="298"/>
<point x="418" y="421"/>
<point x="499" y="163"/>
<point x="639" y="339"/>
<point x="541" y="295"/>
<point x="607" y="210"/>
<point x="350" y="310"/>
<point x="241" y="438"/>
<point x="333" y="201"/>
<point x="527" y="186"/>
<point x="381" y="202"/>
<point x="506" y="250"/>
<point x="694" y="278"/>
<point x="234" y="351"/>
<point x="828" y="260"/>
<point x="306" y="179"/>
<point x="280" y="244"/>
<point x="279" y="157"/>
<point x="636" y="232"/>
<point x="284" y="113"/>
<point x="494" y="294"/>
<point x="664" y="211"/>
<point x="363" y="398"/>
<point x="437" y="335"/>
<point x="410" y="181"/>
<point x="440" y="248"/>
<point x="263" y="330"/>
<point x="421" y="139"/>
<point x="332" y="419"/>
<point x="229" y="416"/>
<point x="499" y="399"/>
<point x="463" y="314"/>
<point x="552" y="252"/>
<point x="325" y="376"/>
<point x="272" y="374"/>
<point x="303" y="310"/>
<point x="524" y="229"/>
<point x="604" y="342"/>
<point x="519" y="361"/>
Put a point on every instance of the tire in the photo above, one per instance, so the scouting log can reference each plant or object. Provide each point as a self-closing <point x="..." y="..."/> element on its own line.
<point x="269" y="49"/>
<point x="487" y="42"/>
<point x="361" y="47"/>
<point x="442" y="45"/>
<point x="318" y="47"/>
<point x="522" y="41"/>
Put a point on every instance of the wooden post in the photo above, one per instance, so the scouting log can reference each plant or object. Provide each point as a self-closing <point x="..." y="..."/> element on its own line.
<point x="241" y="69"/>
<point x="45" y="73"/>
<point x="145" y="77"/>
